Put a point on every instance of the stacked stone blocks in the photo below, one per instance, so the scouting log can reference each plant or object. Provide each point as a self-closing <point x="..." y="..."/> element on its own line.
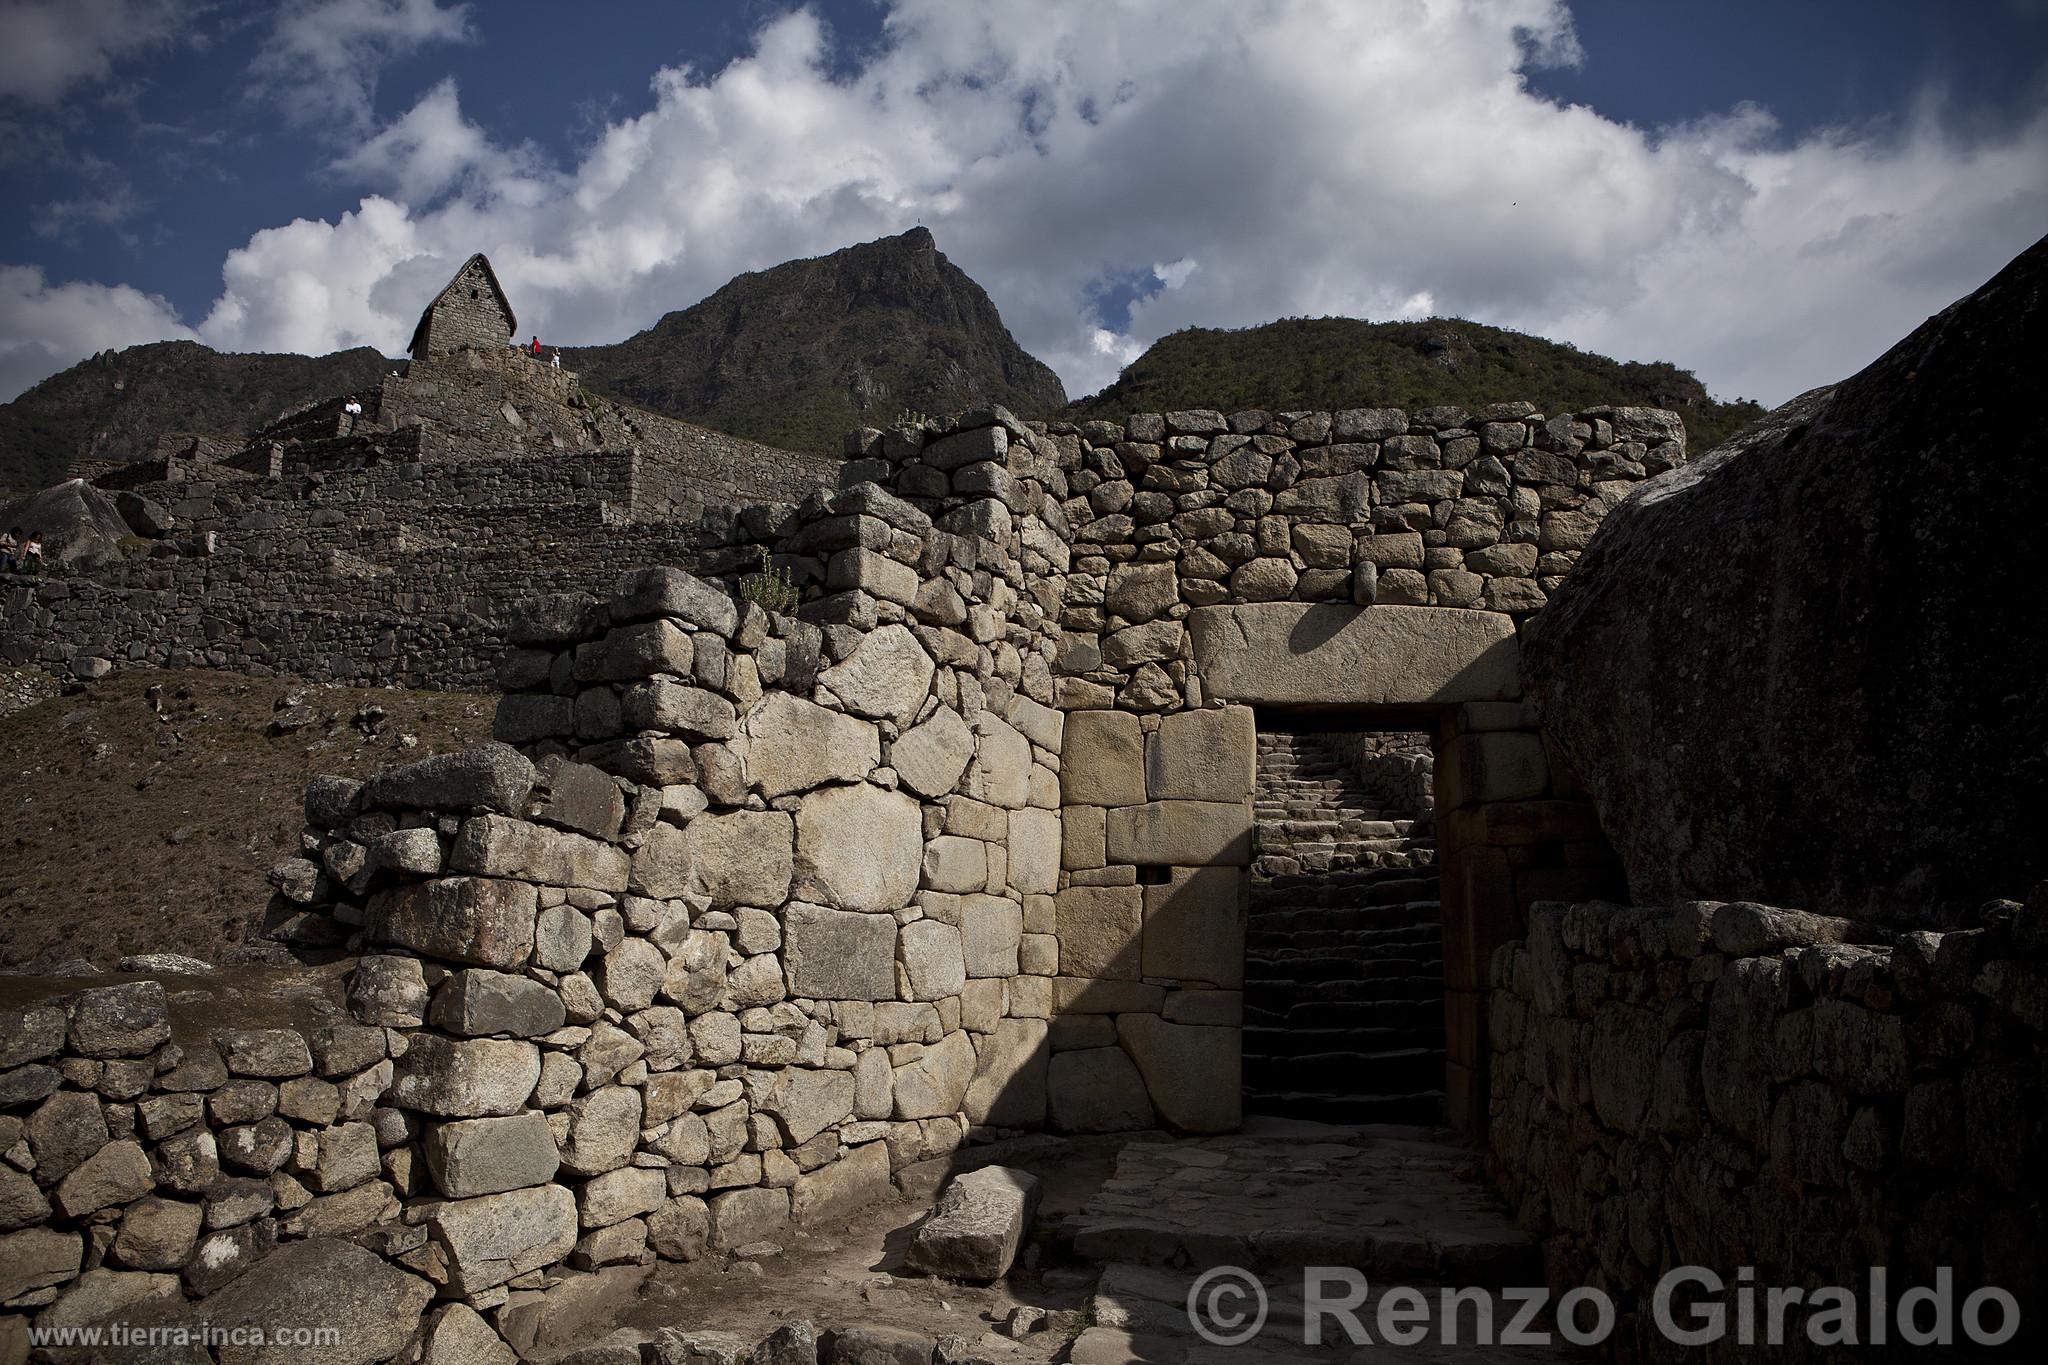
<point x="1731" y="1084"/>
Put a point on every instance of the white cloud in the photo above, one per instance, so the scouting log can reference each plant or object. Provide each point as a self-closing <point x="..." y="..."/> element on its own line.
<point x="310" y="286"/>
<point x="1314" y="156"/>
<point x="322" y="58"/>
<point x="50" y="47"/>
<point x="108" y="207"/>
<point x="47" y="328"/>
<point x="105" y="199"/>
<point x="1839" y="248"/>
<point x="426" y="151"/>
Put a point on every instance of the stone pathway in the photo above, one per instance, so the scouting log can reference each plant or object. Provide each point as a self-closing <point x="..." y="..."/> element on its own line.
<point x="1127" y="1227"/>
<point x="1343" y="950"/>
<point x="1392" y="1204"/>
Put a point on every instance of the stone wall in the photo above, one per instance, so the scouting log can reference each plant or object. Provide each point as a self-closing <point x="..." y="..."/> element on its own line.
<point x="973" y="553"/>
<point x="1728" y="1085"/>
<point x="1175" y="513"/>
<point x="387" y="552"/>
<point x="1370" y="561"/>
<point x="763" y="907"/>
<point x="770" y="918"/>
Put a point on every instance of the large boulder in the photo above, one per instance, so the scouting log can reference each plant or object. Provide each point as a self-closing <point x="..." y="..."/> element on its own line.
<point x="1800" y="670"/>
<point x="80" y="527"/>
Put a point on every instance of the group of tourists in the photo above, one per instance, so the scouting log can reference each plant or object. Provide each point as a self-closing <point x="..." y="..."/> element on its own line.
<point x="532" y="348"/>
<point x="18" y="555"/>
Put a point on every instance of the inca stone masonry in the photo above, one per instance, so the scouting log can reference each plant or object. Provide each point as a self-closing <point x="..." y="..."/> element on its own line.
<point x="746" y="912"/>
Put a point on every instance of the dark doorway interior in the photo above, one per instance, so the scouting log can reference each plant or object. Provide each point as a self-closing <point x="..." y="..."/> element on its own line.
<point x="1344" y="979"/>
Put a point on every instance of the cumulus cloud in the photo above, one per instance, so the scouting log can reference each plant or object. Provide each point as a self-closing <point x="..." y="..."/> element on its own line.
<point x="49" y="327"/>
<point x="322" y="58"/>
<point x="50" y="47"/>
<point x="313" y="286"/>
<point x="1237" y="161"/>
<point x="424" y="152"/>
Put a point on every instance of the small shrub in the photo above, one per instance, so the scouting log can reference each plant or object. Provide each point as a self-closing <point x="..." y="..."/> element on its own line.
<point x="772" y="589"/>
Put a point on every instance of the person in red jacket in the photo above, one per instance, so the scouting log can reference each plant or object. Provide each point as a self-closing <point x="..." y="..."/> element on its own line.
<point x="535" y="348"/>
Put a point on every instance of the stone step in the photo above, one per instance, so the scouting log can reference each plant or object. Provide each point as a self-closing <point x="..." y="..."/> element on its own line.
<point x="1421" y="1107"/>
<point x="1292" y="1040"/>
<point x="1317" y="969"/>
<point x="1367" y="878"/>
<point x="1344" y="1073"/>
<point x="1344" y="946"/>
<point x="1323" y="929"/>
<point x="1410" y="884"/>
<point x="1407" y="890"/>
<point x="1278" y="954"/>
<point x="1340" y="911"/>
<point x="1391" y="1201"/>
<point x="1274" y="1007"/>
<point x="1425" y="1012"/>
<point x="1297" y="919"/>
<point x="1345" y="1078"/>
<point x="1345" y="919"/>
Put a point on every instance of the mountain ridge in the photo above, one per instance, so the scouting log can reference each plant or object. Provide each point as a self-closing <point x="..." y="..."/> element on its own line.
<point x="801" y="353"/>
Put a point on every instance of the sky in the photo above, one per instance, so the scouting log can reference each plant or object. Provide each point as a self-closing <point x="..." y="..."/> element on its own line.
<point x="1768" y="194"/>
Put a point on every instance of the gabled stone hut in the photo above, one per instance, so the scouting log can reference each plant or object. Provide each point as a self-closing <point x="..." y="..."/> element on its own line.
<point x="471" y="312"/>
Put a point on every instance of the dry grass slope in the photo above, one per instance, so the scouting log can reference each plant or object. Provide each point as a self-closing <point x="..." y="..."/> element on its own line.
<point x="144" y="810"/>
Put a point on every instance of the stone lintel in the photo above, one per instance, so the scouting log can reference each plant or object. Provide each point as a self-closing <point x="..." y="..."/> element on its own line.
<point x="1301" y="653"/>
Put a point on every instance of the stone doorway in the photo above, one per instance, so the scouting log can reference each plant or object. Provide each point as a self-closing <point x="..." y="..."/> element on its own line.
<point x="1344" y="971"/>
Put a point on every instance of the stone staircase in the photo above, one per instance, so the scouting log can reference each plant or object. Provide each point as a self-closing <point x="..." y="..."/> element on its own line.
<point x="1344" y="949"/>
<point x="1314" y="814"/>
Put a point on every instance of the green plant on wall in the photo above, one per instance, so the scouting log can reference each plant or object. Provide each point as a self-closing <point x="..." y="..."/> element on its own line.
<point x="772" y="589"/>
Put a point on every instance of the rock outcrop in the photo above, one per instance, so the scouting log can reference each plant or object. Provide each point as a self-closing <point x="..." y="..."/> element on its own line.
<point x="80" y="526"/>
<point x="1803" y="669"/>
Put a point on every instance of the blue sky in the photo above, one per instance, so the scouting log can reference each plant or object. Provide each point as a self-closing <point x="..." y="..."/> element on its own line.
<point x="1768" y="194"/>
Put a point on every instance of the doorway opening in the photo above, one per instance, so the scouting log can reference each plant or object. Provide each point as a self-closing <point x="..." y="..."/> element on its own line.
<point x="1344" y="970"/>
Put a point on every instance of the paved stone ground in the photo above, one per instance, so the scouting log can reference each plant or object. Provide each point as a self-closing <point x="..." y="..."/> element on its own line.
<point x="1126" y="1228"/>
<point x="1394" y="1205"/>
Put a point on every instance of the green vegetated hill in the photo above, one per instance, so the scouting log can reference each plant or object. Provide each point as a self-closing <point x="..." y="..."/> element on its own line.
<point x="116" y="404"/>
<point x="798" y="355"/>
<point x="1314" y="363"/>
